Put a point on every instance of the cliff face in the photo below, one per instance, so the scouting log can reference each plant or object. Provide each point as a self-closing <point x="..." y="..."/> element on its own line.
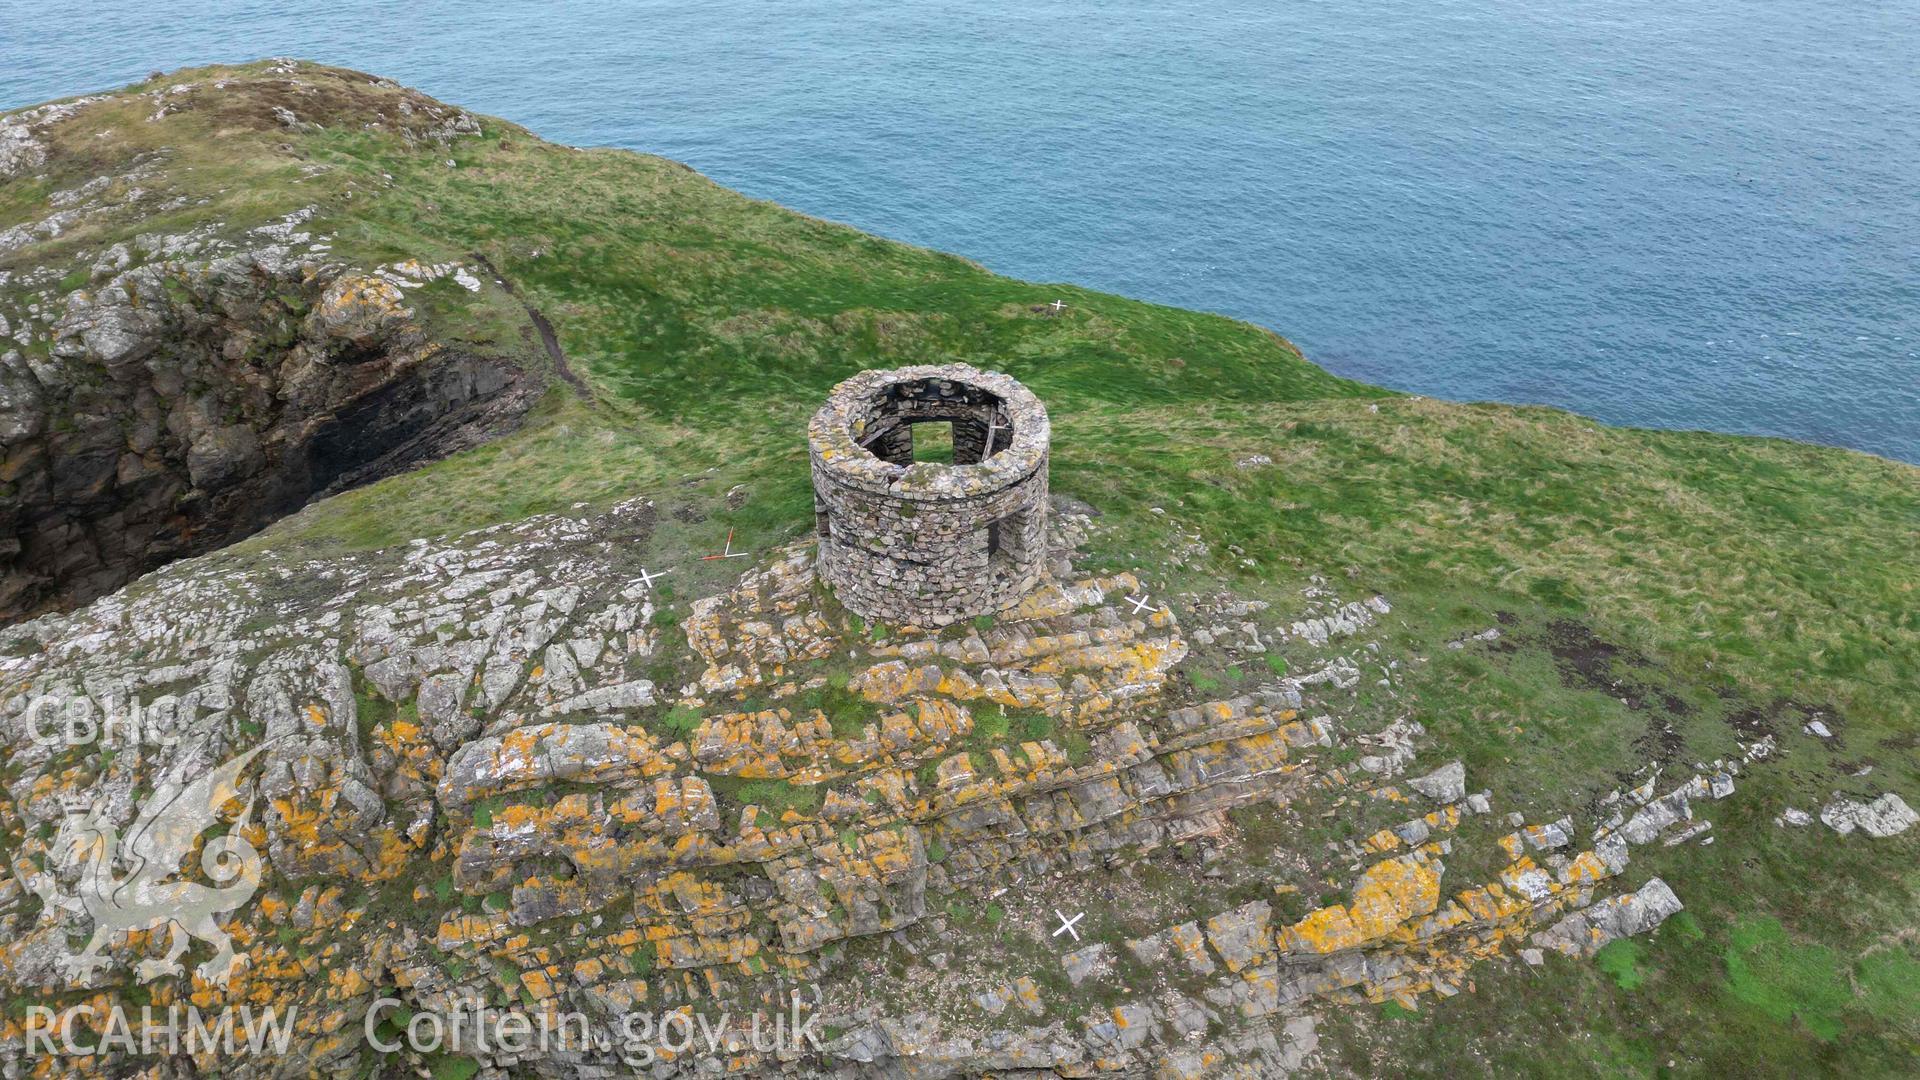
<point x="183" y="404"/>
<point x="167" y="391"/>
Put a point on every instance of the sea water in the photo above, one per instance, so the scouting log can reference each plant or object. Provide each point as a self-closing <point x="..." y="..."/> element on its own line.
<point x="1674" y="213"/>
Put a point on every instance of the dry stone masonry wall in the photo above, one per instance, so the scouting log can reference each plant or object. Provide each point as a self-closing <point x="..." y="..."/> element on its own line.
<point x="929" y="543"/>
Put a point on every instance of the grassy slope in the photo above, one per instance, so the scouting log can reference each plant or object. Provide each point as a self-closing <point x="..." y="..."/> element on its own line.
<point x="1742" y="574"/>
<point x="1747" y="574"/>
<point x="714" y="324"/>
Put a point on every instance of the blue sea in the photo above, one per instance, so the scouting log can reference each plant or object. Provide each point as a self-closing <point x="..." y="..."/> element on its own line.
<point x="1672" y="213"/>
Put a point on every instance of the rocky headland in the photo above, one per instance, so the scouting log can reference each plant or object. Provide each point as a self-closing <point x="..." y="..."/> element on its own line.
<point x="433" y="501"/>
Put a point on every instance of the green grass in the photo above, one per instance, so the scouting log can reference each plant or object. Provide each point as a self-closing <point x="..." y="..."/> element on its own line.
<point x="847" y="712"/>
<point x="1078" y="749"/>
<point x="680" y="721"/>
<point x="1620" y="959"/>
<point x="1035" y="728"/>
<point x="990" y="729"/>
<point x="774" y="796"/>
<point x="933" y="442"/>
<point x="1742" y="576"/>
<point x="450" y="1067"/>
<point x="1786" y="981"/>
<point x="1889" y="983"/>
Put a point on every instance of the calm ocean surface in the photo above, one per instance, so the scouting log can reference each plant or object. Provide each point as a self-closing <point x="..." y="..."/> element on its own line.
<point x="1675" y="213"/>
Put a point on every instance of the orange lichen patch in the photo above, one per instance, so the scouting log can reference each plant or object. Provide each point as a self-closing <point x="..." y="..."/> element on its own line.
<point x="893" y="682"/>
<point x="1045" y="757"/>
<point x="1020" y="769"/>
<point x="1261" y="985"/>
<point x="392" y="852"/>
<point x="954" y="773"/>
<point x="1383" y="841"/>
<point x="622" y="994"/>
<point x="362" y="308"/>
<point x="938" y="721"/>
<point x="1389" y="893"/>
<point x="1079" y="673"/>
<point x="682" y="893"/>
<point x="1451" y="916"/>
<point x="749" y="745"/>
<point x="699" y="951"/>
<point x="537" y="983"/>
<point x="588" y="971"/>
<point x="1053" y="599"/>
<point x="538" y="754"/>
<point x="1193" y="946"/>
<point x="457" y="930"/>
<point x="1490" y="902"/>
<point x="410" y="744"/>
<point x="1586" y="868"/>
<point x="48" y="786"/>
<point x="892" y="853"/>
<point x="806" y="750"/>
<point x="888" y="785"/>
<point x="1126" y="744"/>
<point x="1250" y="755"/>
<point x="1524" y="876"/>
<point x="1541" y="837"/>
<point x="347" y="982"/>
<point x="750" y="633"/>
<point x="1138" y="667"/>
<point x="299" y="824"/>
<point x="849" y="879"/>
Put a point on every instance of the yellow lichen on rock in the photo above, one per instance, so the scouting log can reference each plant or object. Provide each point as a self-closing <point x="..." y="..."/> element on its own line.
<point x="1388" y="894"/>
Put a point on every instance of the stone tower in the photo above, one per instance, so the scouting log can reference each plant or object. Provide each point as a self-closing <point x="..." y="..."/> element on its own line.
<point x="927" y="543"/>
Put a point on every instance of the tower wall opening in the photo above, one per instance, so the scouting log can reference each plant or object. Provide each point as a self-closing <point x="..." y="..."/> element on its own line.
<point x="926" y="543"/>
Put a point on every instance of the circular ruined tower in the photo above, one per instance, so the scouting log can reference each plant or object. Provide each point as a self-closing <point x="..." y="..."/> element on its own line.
<point x="930" y="542"/>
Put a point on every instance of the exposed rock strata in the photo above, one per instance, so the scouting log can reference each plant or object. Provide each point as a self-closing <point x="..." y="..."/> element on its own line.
<point x="183" y="404"/>
<point x="470" y="791"/>
<point x="168" y="392"/>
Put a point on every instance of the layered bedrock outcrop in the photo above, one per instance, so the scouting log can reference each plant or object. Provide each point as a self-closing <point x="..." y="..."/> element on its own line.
<point x="180" y="405"/>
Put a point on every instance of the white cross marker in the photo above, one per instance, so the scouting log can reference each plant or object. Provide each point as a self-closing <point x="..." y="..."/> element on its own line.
<point x="647" y="579"/>
<point x="1057" y="305"/>
<point x="1066" y="924"/>
<point x="1140" y="603"/>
